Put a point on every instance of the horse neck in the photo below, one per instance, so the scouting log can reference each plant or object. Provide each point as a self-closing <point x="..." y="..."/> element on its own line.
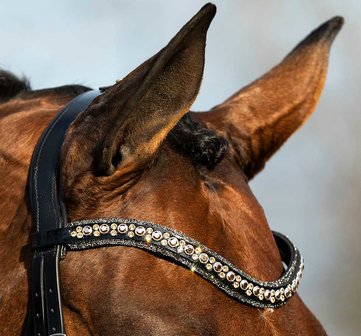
<point x="21" y="124"/>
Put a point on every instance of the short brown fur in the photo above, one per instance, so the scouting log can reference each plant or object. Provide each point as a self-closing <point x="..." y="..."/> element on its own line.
<point x="125" y="291"/>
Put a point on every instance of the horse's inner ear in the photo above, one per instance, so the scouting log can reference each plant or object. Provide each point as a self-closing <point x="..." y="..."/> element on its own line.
<point x="131" y="118"/>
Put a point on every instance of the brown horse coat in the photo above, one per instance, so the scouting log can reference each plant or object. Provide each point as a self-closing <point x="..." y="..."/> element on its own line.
<point x="132" y="154"/>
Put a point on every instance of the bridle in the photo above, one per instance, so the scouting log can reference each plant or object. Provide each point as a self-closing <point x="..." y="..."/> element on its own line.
<point x="54" y="236"/>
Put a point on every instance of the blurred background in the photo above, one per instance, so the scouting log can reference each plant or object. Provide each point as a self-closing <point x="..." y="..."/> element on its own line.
<point x="311" y="189"/>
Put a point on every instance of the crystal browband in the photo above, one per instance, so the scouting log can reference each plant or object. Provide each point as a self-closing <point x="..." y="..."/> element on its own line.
<point x="188" y="252"/>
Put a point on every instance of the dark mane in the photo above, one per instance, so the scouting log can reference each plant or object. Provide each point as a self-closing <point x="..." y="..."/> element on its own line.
<point x="203" y="146"/>
<point x="11" y="85"/>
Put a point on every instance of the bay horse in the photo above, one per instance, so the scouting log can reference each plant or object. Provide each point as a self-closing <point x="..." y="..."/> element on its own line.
<point x="138" y="152"/>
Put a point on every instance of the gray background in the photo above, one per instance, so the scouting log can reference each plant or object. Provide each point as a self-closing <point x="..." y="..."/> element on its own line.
<point x="311" y="188"/>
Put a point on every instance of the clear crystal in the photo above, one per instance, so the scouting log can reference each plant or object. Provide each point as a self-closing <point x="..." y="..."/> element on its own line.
<point x="122" y="228"/>
<point x="104" y="228"/>
<point x="195" y="256"/>
<point x="87" y="230"/>
<point x="217" y="267"/>
<point x="203" y="258"/>
<point x="231" y="276"/>
<point x="140" y="231"/>
<point x="244" y="284"/>
<point x="189" y="249"/>
<point x="173" y="242"/>
<point x="157" y="235"/>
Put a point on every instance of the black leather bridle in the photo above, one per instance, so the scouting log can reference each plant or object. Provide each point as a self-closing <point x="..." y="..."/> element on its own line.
<point x="54" y="236"/>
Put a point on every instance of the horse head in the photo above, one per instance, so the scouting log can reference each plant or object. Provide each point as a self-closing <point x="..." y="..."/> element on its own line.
<point x="138" y="152"/>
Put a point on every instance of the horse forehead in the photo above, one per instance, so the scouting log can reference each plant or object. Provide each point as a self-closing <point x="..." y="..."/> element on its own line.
<point x="175" y="177"/>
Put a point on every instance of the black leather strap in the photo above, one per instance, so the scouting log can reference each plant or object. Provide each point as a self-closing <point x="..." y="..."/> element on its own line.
<point x="182" y="249"/>
<point x="49" y="214"/>
<point x="53" y="235"/>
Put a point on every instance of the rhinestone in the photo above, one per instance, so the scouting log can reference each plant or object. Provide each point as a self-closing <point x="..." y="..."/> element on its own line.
<point x="261" y="291"/>
<point x="225" y="268"/>
<point x="278" y="294"/>
<point x="203" y="258"/>
<point x="235" y="284"/>
<point x="173" y="242"/>
<point x="198" y="250"/>
<point x="189" y="249"/>
<point x="282" y="290"/>
<point x="113" y="232"/>
<point x="140" y="231"/>
<point x="209" y="267"/>
<point x="87" y="230"/>
<point x="180" y="249"/>
<point x="132" y="227"/>
<point x="267" y="294"/>
<point x="260" y="297"/>
<point x="130" y="234"/>
<point x="166" y="235"/>
<point x="244" y="284"/>
<point x="195" y="256"/>
<point x="95" y="227"/>
<point x="288" y="292"/>
<point x="164" y="242"/>
<point x="148" y="238"/>
<point x="113" y="226"/>
<point x="294" y="286"/>
<point x="272" y="299"/>
<point x="273" y="292"/>
<point x="157" y="235"/>
<point x="182" y="243"/>
<point x="73" y="233"/>
<point x="238" y="278"/>
<point x="212" y="260"/>
<point x="222" y="275"/>
<point x="249" y="292"/>
<point x="79" y="235"/>
<point x="79" y="229"/>
<point x="256" y="290"/>
<point x="150" y="230"/>
<point x="96" y="233"/>
<point x="250" y="286"/>
<point x="122" y="228"/>
<point x="231" y="276"/>
<point x="282" y="298"/>
<point x="217" y="267"/>
<point x="104" y="228"/>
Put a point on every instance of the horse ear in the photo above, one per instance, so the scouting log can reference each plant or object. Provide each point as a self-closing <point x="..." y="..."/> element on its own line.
<point x="258" y="119"/>
<point x="134" y="116"/>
